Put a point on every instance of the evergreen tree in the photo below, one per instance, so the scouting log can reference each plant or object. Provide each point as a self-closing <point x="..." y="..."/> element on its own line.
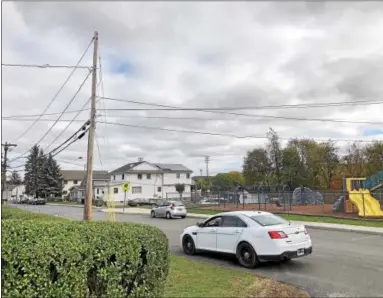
<point x="31" y="177"/>
<point x="15" y="178"/>
<point x="52" y="182"/>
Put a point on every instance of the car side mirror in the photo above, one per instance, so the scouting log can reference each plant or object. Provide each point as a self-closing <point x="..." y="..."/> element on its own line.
<point x="200" y="225"/>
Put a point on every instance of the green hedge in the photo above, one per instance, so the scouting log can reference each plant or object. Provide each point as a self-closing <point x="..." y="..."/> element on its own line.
<point x="59" y="258"/>
<point x="17" y="213"/>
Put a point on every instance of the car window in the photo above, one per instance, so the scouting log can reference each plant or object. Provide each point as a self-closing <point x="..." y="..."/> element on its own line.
<point x="268" y="220"/>
<point x="179" y="204"/>
<point x="214" y="222"/>
<point x="232" y="221"/>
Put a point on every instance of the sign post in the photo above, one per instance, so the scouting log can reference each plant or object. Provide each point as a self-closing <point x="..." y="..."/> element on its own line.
<point x="125" y="188"/>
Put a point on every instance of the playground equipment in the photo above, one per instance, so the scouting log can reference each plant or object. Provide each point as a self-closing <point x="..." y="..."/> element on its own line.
<point x="305" y="196"/>
<point x="360" y="197"/>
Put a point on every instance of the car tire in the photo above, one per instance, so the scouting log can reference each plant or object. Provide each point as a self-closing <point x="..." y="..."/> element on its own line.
<point x="183" y="216"/>
<point x="168" y="215"/>
<point x="188" y="245"/>
<point x="153" y="214"/>
<point x="246" y="255"/>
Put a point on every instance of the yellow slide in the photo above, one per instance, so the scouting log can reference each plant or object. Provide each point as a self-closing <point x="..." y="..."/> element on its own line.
<point x="371" y="205"/>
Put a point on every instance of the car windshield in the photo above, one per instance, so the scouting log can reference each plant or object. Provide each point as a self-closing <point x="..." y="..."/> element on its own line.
<point x="268" y="220"/>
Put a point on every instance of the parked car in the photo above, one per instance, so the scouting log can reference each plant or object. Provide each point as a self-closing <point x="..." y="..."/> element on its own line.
<point x="36" y="201"/>
<point x="252" y="236"/>
<point x="132" y="203"/>
<point x="169" y="209"/>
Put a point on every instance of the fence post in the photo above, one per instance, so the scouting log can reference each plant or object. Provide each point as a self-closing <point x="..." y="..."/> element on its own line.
<point x="364" y="208"/>
<point x="259" y="200"/>
<point x="243" y="199"/>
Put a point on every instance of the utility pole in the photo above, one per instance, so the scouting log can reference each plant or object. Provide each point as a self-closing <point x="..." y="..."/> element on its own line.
<point x="207" y="174"/>
<point x="4" y="169"/>
<point x="92" y="128"/>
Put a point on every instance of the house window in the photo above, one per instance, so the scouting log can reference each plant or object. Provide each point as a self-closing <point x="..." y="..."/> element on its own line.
<point x="139" y="176"/>
<point x="75" y="181"/>
<point x="159" y="188"/>
<point x="188" y="176"/>
<point x="178" y="175"/>
<point x="148" y="176"/>
<point x="137" y="189"/>
<point x="115" y="190"/>
<point x="98" y="190"/>
<point x="65" y="181"/>
<point x="123" y="176"/>
<point x="114" y="177"/>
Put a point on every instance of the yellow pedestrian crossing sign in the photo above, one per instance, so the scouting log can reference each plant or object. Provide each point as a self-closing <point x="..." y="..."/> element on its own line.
<point x="125" y="186"/>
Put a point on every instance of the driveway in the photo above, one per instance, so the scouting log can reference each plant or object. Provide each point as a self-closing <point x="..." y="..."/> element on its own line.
<point x="342" y="264"/>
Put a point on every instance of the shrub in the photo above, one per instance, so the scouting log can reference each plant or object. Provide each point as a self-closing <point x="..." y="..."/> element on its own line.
<point x="63" y="258"/>
<point x="17" y="213"/>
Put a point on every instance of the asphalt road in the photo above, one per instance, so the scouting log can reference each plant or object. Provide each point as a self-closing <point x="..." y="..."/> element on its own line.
<point x="343" y="264"/>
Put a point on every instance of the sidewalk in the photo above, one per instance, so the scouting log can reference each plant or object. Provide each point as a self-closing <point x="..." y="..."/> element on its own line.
<point x="312" y="225"/>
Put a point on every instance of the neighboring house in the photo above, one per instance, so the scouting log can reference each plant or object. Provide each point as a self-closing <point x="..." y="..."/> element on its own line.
<point x="150" y="180"/>
<point x="74" y="183"/>
<point x="18" y="192"/>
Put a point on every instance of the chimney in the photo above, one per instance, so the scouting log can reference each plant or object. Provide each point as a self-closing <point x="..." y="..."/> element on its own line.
<point x="140" y="159"/>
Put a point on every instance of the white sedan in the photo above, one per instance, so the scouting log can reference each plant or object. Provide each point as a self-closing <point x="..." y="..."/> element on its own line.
<point x="252" y="236"/>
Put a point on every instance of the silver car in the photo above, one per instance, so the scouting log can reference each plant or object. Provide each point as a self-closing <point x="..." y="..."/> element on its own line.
<point x="169" y="209"/>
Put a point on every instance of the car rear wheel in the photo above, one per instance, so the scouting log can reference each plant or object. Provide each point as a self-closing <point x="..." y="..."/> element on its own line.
<point x="153" y="214"/>
<point x="246" y="255"/>
<point x="188" y="245"/>
<point x="168" y="215"/>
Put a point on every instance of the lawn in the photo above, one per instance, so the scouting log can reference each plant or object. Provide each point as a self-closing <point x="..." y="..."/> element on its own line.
<point x="294" y="217"/>
<point x="189" y="278"/>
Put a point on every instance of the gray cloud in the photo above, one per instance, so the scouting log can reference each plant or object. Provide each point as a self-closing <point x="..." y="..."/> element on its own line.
<point x="193" y="55"/>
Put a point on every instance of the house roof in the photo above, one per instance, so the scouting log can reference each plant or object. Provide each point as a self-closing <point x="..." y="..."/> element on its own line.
<point x="172" y="167"/>
<point x="80" y="175"/>
<point x="161" y="166"/>
<point x="126" y="167"/>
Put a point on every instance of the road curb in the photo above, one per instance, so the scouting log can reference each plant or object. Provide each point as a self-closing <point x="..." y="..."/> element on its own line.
<point x="75" y="206"/>
<point x="339" y="229"/>
<point x="345" y="229"/>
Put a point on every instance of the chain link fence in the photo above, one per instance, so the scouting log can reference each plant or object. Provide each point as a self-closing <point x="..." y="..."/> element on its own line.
<point x="300" y="201"/>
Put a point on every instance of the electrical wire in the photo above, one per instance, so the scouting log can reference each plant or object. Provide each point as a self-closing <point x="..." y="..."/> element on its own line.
<point x="57" y="93"/>
<point x="53" y="125"/>
<point x="270" y="107"/>
<point x="20" y="118"/>
<point x="46" y="65"/>
<point x="87" y="122"/>
<point x="76" y="139"/>
<point x="217" y="134"/>
<point x="99" y="153"/>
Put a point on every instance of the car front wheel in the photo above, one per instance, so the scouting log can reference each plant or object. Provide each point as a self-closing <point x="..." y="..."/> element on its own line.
<point x="168" y="216"/>
<point x="246" y="255"/>
<point x="188" y="245"/>
<point x="153" y="214"/>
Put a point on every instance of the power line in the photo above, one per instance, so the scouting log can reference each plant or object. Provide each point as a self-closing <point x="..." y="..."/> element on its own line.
<point x="212" y="119"/>
<point x="46" y="65"/>
<point x="99" y="153"/>
<point x="58" y="92"/>
<point x="269" y="107"/>
<point x="219" y="134"/>
<point x="83" y="127"/>
<point x="76" y="139"/>
<point x="53" y="125"/>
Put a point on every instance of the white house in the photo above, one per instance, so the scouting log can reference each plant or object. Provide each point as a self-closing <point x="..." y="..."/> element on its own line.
<point x="74" y="183"/>
<point x="150" y="181"/>
<point x="18" y="192"/>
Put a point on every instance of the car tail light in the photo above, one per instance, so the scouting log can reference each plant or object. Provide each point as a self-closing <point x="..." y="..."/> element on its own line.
<point x="306" y="233"/>
<point x="277" y="235"/>
<point x="172" y="206"/>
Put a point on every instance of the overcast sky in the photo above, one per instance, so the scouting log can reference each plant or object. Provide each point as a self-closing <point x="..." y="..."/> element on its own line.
<point x="193" y="54"/>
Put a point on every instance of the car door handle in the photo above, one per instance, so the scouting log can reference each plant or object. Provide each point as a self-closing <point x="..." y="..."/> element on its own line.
<point x="237" y="231"/>
<point x="214" y="230"/>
